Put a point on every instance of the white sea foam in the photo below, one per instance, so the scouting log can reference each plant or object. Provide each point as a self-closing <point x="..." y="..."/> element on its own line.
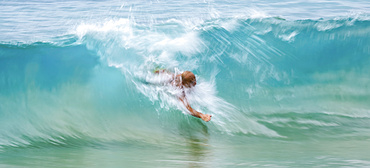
<point x="324" y="26"/>
<point x="288" y="37"/>
<point x="113" y="38"/>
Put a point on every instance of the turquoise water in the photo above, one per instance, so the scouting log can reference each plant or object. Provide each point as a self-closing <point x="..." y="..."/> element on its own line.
<point x="287" y="84"/>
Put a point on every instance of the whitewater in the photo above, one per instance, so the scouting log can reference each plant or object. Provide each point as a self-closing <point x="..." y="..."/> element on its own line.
<point x="287" y="83"/>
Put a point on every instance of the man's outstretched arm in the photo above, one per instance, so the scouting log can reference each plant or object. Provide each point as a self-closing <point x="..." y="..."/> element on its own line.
<point x="205" y="117"/>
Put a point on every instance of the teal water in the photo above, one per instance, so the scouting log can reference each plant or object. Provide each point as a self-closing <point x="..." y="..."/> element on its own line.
<point x="287" y="84"/>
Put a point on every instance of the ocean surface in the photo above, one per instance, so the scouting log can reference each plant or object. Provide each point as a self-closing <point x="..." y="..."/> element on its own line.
<point x="287" y="83"/>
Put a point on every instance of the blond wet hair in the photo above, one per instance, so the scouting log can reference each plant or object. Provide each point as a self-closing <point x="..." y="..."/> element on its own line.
<point x="188" y="79"/>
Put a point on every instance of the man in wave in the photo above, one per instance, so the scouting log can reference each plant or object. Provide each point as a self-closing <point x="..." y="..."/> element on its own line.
<point x="186" y="79"/>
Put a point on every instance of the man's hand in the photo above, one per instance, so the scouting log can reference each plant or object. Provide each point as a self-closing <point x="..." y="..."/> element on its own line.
<point x="204" y="117"/>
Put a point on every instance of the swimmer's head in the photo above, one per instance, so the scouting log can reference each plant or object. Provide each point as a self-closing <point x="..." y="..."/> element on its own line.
<point x="188" y="79"/>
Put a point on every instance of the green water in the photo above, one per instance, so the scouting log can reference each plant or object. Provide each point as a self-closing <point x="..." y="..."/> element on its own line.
<point x="193" y="151"/>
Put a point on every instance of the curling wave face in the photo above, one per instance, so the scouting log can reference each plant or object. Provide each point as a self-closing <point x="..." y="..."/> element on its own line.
<point x="266" y="77"/>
